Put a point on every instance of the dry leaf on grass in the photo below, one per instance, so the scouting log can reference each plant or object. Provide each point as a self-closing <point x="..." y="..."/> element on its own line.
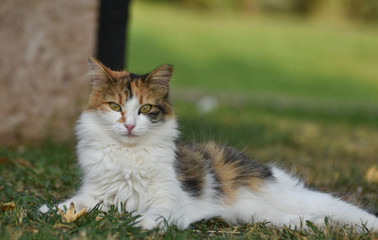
<point x="372" y="174"/>
<point x="23" y="162"/>
<point x="12" y="162"/>
<point x="99" y="217"/>
<point x="4" y="161"/>
<point x="63" y="226"/>
<point x="70" y="215"/>
<point x="7" y="206"/>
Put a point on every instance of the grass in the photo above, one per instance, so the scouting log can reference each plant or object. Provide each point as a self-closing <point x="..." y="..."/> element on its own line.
<point x="302" y="94"/>
<point x="331" y="157"/>
<point x="215" y="51"/>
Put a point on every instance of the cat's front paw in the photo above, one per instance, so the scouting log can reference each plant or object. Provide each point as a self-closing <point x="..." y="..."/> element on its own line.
<point x="148" y="223"/>
<point x="44" y="208"/>
<point x="151" y="221"/>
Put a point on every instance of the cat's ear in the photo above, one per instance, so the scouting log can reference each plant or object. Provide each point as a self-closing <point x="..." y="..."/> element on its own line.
<point x="98" y="72"/>
<point x="160" y="76"/>
<point x="158" y="80"/>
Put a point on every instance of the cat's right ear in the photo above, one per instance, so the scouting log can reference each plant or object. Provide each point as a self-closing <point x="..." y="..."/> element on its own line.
<point x="98" y="73"/>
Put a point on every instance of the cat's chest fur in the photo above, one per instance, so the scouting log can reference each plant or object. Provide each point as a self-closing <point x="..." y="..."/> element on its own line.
<point x="124" y="174"/>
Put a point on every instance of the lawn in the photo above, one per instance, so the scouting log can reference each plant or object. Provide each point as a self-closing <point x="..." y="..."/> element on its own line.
<point x="303" y="94"/>
<point x="255" y="54"/>
<point x="330" y="157"/>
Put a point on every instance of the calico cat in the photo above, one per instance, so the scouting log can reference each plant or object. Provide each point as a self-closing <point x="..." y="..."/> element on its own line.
<point x="130" y="157"/>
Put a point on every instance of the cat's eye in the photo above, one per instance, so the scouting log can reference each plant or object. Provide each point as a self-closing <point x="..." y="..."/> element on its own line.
<point x="145" y="108"/>
<point x="115" y="107"/>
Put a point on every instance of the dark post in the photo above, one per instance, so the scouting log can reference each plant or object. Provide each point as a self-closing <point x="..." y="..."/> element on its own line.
<point x="111" y="39"/>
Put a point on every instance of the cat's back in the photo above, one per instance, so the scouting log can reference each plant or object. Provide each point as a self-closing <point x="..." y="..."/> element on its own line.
<point x="222" y="168"/>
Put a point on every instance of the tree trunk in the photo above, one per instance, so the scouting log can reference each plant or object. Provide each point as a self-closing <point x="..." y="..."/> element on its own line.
<point x="112" y="33"/>
<point x="43" y="55"/>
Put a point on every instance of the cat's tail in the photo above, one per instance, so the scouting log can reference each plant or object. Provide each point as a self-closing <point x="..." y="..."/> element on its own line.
<point x="285" y="201"/>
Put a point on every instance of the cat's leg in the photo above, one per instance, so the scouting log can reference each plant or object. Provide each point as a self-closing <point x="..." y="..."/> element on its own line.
<point x="249" y="207"/>
<point x="80" y="202"/>
<point x="155" y="217"/>
<point x="195" y="209"/>
<point x="289" y="194"/>
<point x="161" y="209"/>
<point x="82" y="199"/>
<point x="163" y="202"/>
<point x="285" y="201"/>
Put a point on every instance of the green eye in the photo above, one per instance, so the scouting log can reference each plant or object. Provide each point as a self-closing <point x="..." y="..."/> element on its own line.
<point x="145" y="108"/>
<point x="115" y="107"/>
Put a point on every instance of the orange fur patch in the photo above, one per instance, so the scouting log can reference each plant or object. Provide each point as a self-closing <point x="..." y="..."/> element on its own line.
<point x="230" y="174"/>
<point x="227" y="173"/>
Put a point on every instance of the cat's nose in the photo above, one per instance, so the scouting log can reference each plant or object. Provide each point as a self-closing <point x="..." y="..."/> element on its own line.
<point x="129" y="127"/>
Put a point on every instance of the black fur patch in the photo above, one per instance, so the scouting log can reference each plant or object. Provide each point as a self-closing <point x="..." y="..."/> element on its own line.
<point x="190" y="169"/>
<point x="192" y="186"/>
<point x="246" y="164"/>
<point x="128" y="91"/>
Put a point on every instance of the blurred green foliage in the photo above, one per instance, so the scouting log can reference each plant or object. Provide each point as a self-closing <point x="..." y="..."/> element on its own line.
<point x="323" y="63"/>
<point x="353" y="9"/>
<point x="362" y="9"/>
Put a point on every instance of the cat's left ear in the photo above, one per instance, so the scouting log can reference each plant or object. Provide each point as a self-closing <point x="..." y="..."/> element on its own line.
<point x="98" y="72"/>
<point x="160" y="76"/>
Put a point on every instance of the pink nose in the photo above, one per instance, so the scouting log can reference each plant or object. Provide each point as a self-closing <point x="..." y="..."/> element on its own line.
<point x="129" y="128"/>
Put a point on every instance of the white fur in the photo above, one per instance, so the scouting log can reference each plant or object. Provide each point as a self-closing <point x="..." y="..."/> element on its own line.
<point x="137" y="173"/>
<point x="282" y="202"/>
<point x="285" y="201"/>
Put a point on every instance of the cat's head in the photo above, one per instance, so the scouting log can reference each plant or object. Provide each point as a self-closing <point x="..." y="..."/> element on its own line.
<point x="130" y="106"/>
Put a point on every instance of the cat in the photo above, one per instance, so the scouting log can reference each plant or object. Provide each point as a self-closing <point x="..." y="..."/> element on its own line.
<point x="130" y="157"/>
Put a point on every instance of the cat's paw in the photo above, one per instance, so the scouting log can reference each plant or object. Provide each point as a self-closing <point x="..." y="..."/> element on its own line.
<point x="151" y="221"/>
<point x="44" y="208"/>
<point x="148" y="223"/>
<point x="155" y="217"/>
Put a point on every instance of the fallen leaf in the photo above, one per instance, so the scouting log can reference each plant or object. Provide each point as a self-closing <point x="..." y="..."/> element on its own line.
<point x="20" y="215"/>
<point x="7" y="206"/>
<point x="99" y="217"/>
<point x="63" y="226"/>
<point x="23" y="162"/>
<point x="31" y="229"/>
<point x="372" y="174"/>
<point x="5" y="162"/>
<point x="70" y="215"/>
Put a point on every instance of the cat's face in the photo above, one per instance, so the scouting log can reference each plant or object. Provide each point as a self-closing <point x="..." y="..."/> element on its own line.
<point x="130" y="106"/>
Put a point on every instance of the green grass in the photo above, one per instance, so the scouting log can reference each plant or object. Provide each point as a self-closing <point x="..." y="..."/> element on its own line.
<point x="215" y="51"/>
<point x="303" y="94"/>
<point x="329" y="156"/>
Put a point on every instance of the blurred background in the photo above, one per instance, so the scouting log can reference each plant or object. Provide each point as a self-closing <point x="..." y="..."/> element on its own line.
<point x="287" y="80"/>
<point x="300" y="51"/>
<point x="301" y="57"/>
